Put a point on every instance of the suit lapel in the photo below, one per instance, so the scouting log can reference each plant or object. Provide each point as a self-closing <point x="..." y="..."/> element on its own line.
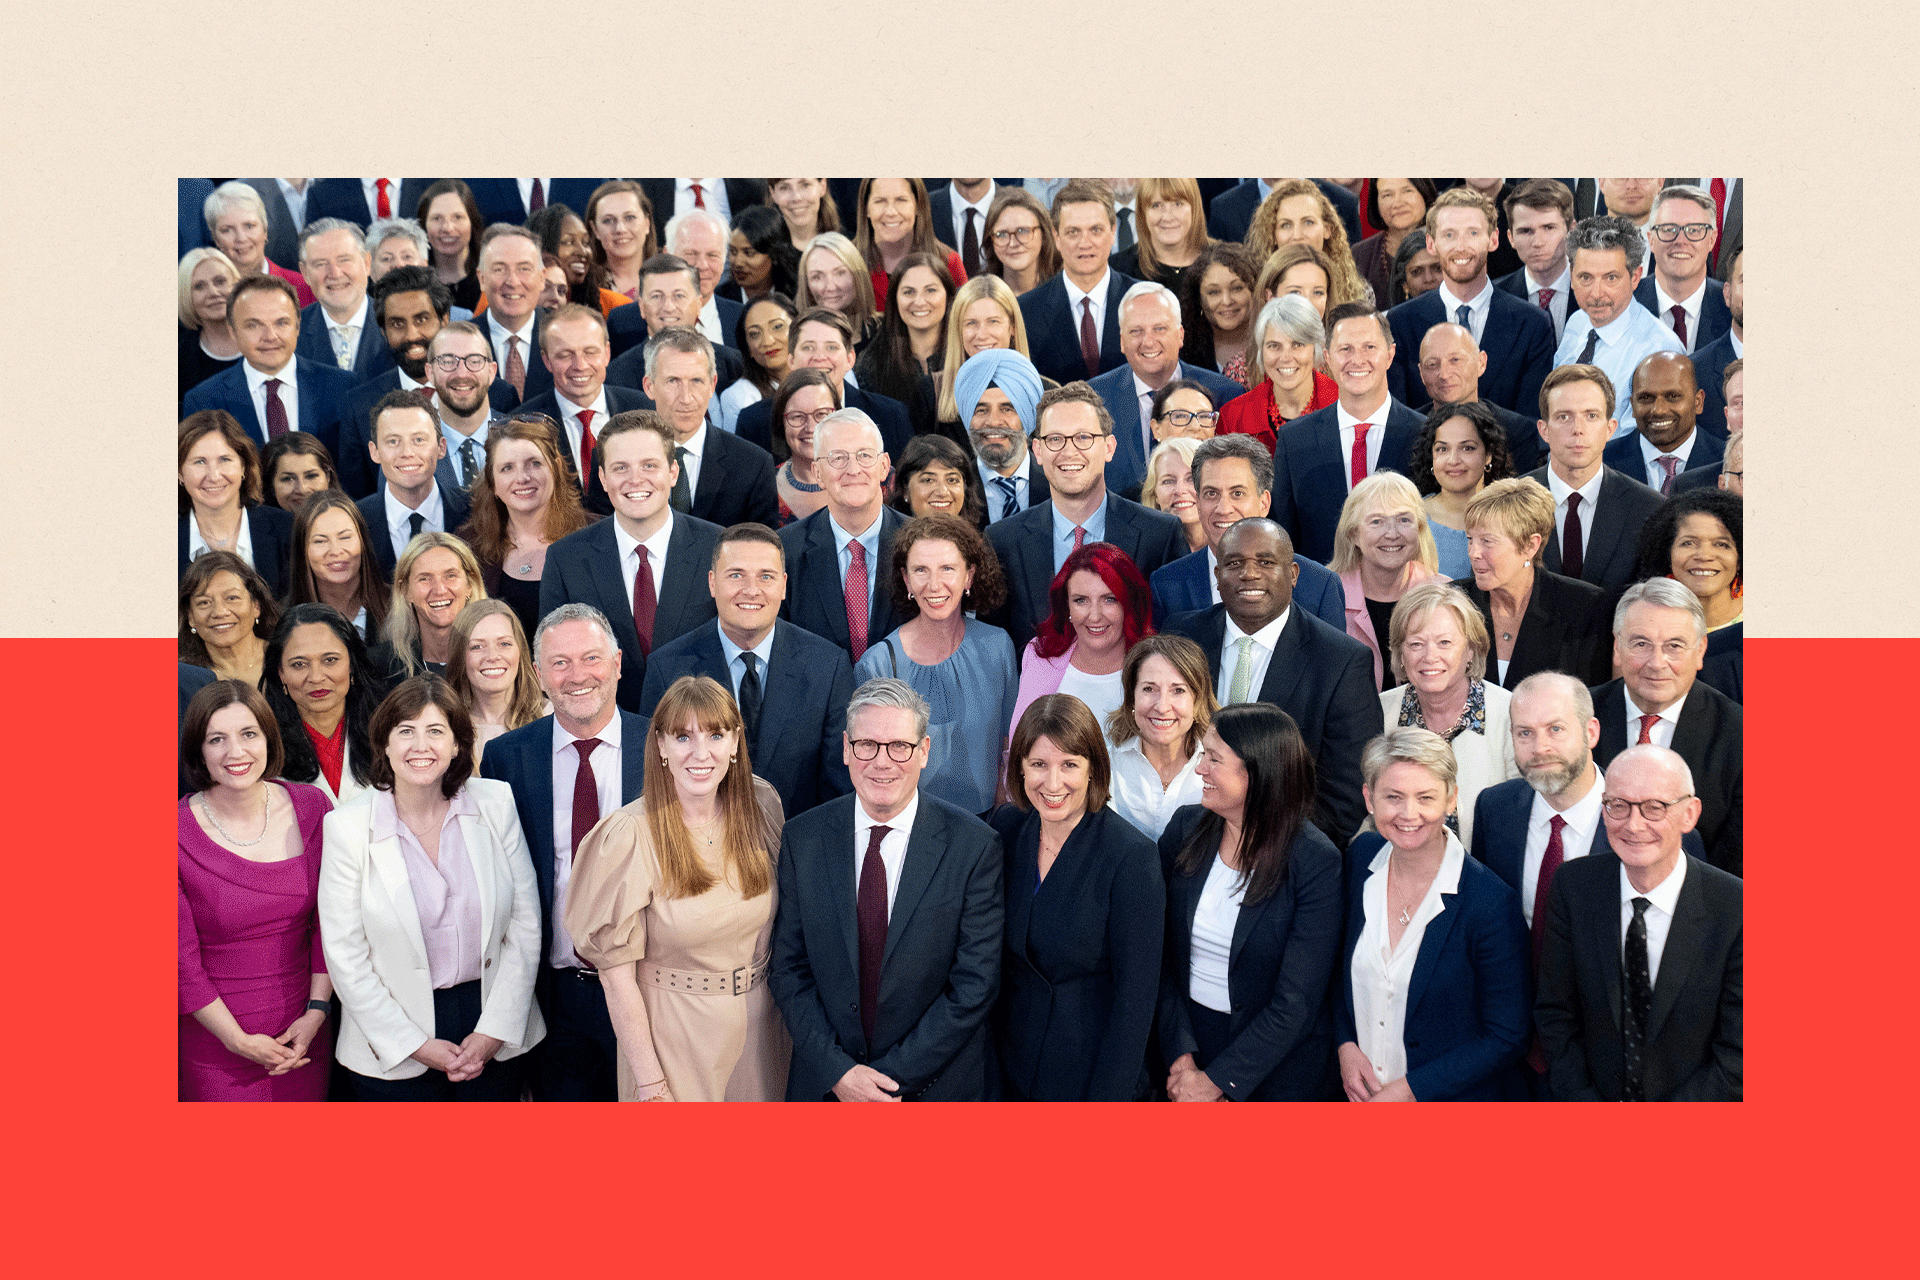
<point x="1604" y="536"/>
<point x="1537" y="646"/>
<point x="633" y="756"/>
<point x="880" y="619"/>
<point x="1678" y="955"/>
<point x="1432" y="944"/>
<point x="1243" y="927"/>
<point x="842" y="893"/>
<point x="925" y="847"/>
<point x="681" y="585"/>
<point x="603" y="566"/>
<point x="1694" y="731"/>
<point x="820" y="574"/>
<point x="390" y="865"/>
<point x="1285" y="669"/>
<point x="785" y="685"/>
<point x="1611" y="708"/>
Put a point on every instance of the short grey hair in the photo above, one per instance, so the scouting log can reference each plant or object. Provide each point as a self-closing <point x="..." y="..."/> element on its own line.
<point x="1597" y="235"/>
<point x="680" y="222"/>
<point x="1672" y="759"/>
<point x="1423" y="747"/>
<point x="887" y="693"/>
<point x="387" y="228"/>
<point x="685" y="338"/>
<point x="1543" y="681"/>
<point x="1684" y="191"/>
<point x="575" y="612"/>
<point x="326" y="226"/>
<point x="229" y="194"/>
<point x="1295" y="318"/>
<point x="1663" y="593"/>
<point x="1148" y="289"/>
<point x="855" y="417"/>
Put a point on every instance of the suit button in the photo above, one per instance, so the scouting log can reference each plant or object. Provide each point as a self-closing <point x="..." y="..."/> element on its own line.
<point x="488" y="964"/>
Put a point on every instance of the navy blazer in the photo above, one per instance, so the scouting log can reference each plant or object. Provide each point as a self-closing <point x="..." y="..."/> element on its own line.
<point x="1518" y="342"/>
<point x="1053" y="331"/>
<point x="1476" y="960"/>
<point x="1080" y="972"/>
<point x="1710" y="361"/>
<point x="1231" y="216"/>
<point x="1693" y="1050"/>
<point x="1515" y="283"/>
<point x="499" y="198"/>
<point x="1500" y="818"/>
<point x="1310" y="472"/>
<point x="322" y="407"/>
<point x="627" y="330"/>
<point x="1622" y="454"/>
<point x="539" y="377"/>
<point x="346" y="199"/>
<point x="940" y="969"/>
<point x="1323" y="678"/>
<point x="755" y="422"/>
<point x="523" y="759"/>
<point x="1715" y="318"/>
<point x="619" y="400"/>
<point x="371" y="356"/>
<point x="585" y="566"/>
<point x="816" y="599"/>
<point x="1567" y="627"/>
<point x="1024" y="543"/>
<point x="742" y="193"/>
<point x="1129" y="466"/>
<point x="806" y="685"/>
<point x="1524" y="445"/>
<point x="1612" y="552"/>
<point x="1186" y="586"/>
<point x="455" y="507"/>
<point x="1709" y="736"/>
<point x="736" y="483"/>
<point x="358" y="475"/>
<point x="1279" y="972"/>
<point x="271" y="531"/>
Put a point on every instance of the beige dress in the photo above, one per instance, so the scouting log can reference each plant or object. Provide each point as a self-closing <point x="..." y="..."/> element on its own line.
<point x="713" y="1047"/>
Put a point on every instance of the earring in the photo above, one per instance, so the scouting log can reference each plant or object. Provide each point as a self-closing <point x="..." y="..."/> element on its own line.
<point x="663" y="762"/>
<point x="909" y="595"/>
<point x="734" y="758"/>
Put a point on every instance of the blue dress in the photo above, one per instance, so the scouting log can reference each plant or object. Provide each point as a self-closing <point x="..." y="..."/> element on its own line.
<point x="972" y="695"/>
<point x="1452" y="545"/>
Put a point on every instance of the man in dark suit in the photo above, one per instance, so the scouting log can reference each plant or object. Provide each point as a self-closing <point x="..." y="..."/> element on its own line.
<point x="463" y="375"/>
<point x="821" y="338"/>
<point x="1640" y="996"/>
<point x="1680" y="290"/>
<point x="1539" y="215"/>
<point x="1074" y="440"/>
<point x="1150" y="338"/>
<point x="1073" y="320"/>
<point x="1663" y="443"/>
<point x="338" y="326"/>
<point x="838" y="558"/>
<point x="642" y="568"/>
<point x="573" y="346"/>
<point x="960" y="207"/>
<point x="550" y="761"/>
<point x="358" y="200"/>
<point x="1660" y="642"/>
<point x="723" y="197"/>
<point x="1450" y="367"/>
<point x="885" y="969"/>
<point x="408" y="449"/>
<point x="723" y="479"/>
<point x="1517" y="338"/>
<point x="669" y="296"/>
<point x="511" y="200"/>
<point x="270" y="389"/>
<point x="792" y="687"/>
<point x="1261" y="649"/>
<point x="1232" y="480"/>
<point x="1597" y="511"/>
<point x="1712" y="360"/>
<point x="1231" y="216"/>
<point x="1320" y="457"/>
<point x="699" y="238"/>
<point x="512" y="275"/>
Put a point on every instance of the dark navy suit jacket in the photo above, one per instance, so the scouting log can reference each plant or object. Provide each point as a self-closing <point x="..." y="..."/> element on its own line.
<point x="346" y="199"/>
<point x="1500" y="817"/>
<point x="1613" y="535"/>
<point x="1129" y="465"/>
<point x="626" y="330"/>
<point x="816" y="601"/>
<point x="1710" y="361"/>
<point x="1053" y="331"/>
<point x="454" y="503"/>
<point x="358" y="475"/>
<point x="629" y="369"/>
<point x="1186" y="586"/>
<point x="371" y="357"/>
<point x="1623" y="455"/>
<point x="896" y="429"/>
<point x="1518" y="342"/>
<point x="1024" y="543"/>
<point x="1715" y="319"/>
<point x="324" y="389"/>
<point x="539" y="379"/>
<point x="499" y="198"/>
<point x="1310" y="472"/>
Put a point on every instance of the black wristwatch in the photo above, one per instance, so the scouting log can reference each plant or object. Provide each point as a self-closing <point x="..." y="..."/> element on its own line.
<point x="321" y="1005"/>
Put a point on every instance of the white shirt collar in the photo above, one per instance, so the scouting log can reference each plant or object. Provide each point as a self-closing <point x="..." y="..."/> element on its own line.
<point x="1671" y="715"/>
<point x="1477" y="303"/>
<point x="1665" y="895"/>
<point x="1692" y="302"/>
<point x="357" y="321"/>
<point x="1452" y="863"/>
<point x="1378" y="418"/>
<point x="1582" y="816"/>
<point x="656" y="545"/>
<point x="256" y="379"/>
<point x="1590" y="491"/>
<point x="1266" y="637"/>
<point x="901" y="821"/>
<point x="609" y="735"/>
<point x="1559" y="282"/>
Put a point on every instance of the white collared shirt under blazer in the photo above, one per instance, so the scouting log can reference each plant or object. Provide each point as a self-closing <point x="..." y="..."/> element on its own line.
<point x="1381" y="973"/>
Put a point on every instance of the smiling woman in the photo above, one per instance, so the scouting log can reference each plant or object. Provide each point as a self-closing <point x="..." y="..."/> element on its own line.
<point x="226" y="614"/>
<point x="491" y="672"/>
<point x="220" y="506"/>
<point x="323" y="697"/>
<point x="436" y="577"/>
<point x="524" y="501"/>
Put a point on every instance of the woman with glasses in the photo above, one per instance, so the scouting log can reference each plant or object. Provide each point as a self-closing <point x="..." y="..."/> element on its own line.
<point x="1019" y="246"/>
<point x="803" y="402"/>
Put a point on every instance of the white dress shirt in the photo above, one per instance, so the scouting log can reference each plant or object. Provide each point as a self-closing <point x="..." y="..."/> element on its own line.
<point x="198" y="546"/>
<point x="499" y="333"/>
<point x="656" y="555"/>
<point x="570" y="422"/>
<point x="370" y="191"/>
<point x="1137" y="794"/>
<point x="526" y="195"/>
<point x="1263" y="641"/>
<point x="893" y="845"/>
<point x="605" y="761"/>
<point x="1664" y="305"/>
<point x="960" y="207"/>
<point x="1576" y="839"/>
<point x="1376" y="434"/>
<point x="696" y="447"/>
<point x="1211" y="952"/>
<point x="1625" y="341"/>
<point x="712" y="190"/>
<point x="708" y="323"/>
<point x="731" y="401"/>
<point x="1662" y="732"/>
<point x="1589" y="500"/>
<point x="1098" y="296"/>
<point x="1662" y="898"/>
<point x="1143" y="395"/>
<point x="1655" y="474"/>
<point x="870" y="540"/>
<point x="289" y="393"/>
<point x="1101" y="694"/>
<point x="1557" y="306"/>
<point x="1477" y="307"/>
<point x="432" y="511"/>
<point x="1381" y="974"/>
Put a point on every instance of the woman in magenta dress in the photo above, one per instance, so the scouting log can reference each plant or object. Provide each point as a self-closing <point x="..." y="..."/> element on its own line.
<point x="253" y="982"/>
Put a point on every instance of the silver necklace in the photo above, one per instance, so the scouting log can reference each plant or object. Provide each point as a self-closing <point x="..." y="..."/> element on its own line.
<point x="228" y="836"/>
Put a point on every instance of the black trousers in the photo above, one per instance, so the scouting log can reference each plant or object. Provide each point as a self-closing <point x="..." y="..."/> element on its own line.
<point x="576" y="1061"/>
<point x="456" y="1011"/>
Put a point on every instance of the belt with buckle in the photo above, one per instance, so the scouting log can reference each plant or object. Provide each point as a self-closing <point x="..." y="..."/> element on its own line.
<point x="725" y="982"/>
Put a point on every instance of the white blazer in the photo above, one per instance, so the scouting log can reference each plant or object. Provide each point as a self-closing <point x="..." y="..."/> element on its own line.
<point x="1480" y="760"/>
<point x="377" y="955"/>
<point x="350" y="786"/>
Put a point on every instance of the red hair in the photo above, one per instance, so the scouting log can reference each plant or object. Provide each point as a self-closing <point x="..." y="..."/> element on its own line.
<point x="1122" y="577"/>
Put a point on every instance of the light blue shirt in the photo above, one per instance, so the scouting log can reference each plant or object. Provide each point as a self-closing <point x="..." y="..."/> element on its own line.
<point x="1096" y="527"/>
<point x="737" y="668"/>
<point x="1631" y="337"/>
<point x="871" y="541"/>
<point x="996" y="496"/>
<point x="455" y="441"/>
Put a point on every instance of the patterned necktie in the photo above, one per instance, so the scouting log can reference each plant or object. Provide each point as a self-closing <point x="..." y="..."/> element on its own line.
<point x="383" y="204"/>
<point x="750" y="696"/>
<point x="1010" y="496"/>
<point x="1646" y="730"/>
<point x="1573" y="556"/>
<point x="1679" y="314"/>
<point x="681" y="499"/>
<point x="1586" y="352"/>
<point x="276" y="412"/>
<point x="1358" y="470"/>
<point x="343" y="343"/>
<point x="468" y="463"/>
<point x="970" y="244"/>
<point x="586" y="448"/>
<point x="645" y="602"/>
<point x="1670" y="465"/>
<point x="855" y="592"/>
<point x="516" y="367"/>
<point x="871" y="912"/>
<point x="1079" y="537"/>
<point x="1242" y="670"/>
<point x="538" y="200"/>
<point x="1636" y="1003"/>
<point x="1550" y="863"/>
<point x="1089" y="338"/>
<point x="1546" y="300"/>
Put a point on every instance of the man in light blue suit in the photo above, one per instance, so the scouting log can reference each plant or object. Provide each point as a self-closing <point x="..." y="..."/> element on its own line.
<point x="1150" y="339"/>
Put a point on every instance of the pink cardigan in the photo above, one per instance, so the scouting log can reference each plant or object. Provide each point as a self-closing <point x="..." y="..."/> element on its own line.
<point x="1360" y="622"/>
<point x="1039" y="677"/>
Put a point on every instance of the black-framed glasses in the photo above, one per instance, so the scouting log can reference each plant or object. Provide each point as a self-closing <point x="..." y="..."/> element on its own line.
<point x="1187" y="417"/>
<point x="1668" y="232"/>
<point x="868" y="749"/>
<point x="474" y="363"/>
<point x="1082" y="441"/>
<point x="1651" y="810"/>
<point x="1015" y="235"/>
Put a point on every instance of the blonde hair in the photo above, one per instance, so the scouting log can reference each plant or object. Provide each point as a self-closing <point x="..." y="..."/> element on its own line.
<point x="1386" y="491"/>
<point x="1419" y="603"/>
<point x="525" y="703"/>
<point x="747" y="839"/>
<point x="1423" y="747"/>
<point x="1182" y="189"/>
<point x="1182" y="445"/>
<point x="403" y="630"/>
<point x="981" y="286"/>
<point x="1344" y="279"/>
<point x="190" y="264"/>
<point x="1518" y="507"/>
<point x="842" y="248"/>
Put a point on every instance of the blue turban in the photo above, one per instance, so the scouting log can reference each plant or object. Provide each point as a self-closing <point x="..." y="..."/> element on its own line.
<point x="1000" y="367"/>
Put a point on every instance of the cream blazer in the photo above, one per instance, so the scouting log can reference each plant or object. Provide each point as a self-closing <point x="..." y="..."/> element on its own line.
<point x="377" y="955"/>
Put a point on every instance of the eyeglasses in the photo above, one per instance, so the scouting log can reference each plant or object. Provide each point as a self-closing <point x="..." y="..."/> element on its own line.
<point x="1651" y="810"/>
<point x="1668" y="232"/>
<point x="1015" y="235"/>
<point x="868" y="749"/>
<point x="797" y="419"/>
<point x="1186" y="417"/>
<point x="1082" y="441"/>
<point x="447" y="364"/>
<point x="842" y="460"/>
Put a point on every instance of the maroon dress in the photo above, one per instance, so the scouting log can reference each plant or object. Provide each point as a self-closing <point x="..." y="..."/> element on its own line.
<point x="249" y="935"/>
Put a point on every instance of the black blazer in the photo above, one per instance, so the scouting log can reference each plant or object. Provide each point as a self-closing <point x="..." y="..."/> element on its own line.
<point x="741" y="194"/>
<point x="371" y="355"/>
<point x="346" y="199"/>
<point x="619" y="400"/>
<point x="1710" y="738"/>
<point x="1279" y="973"/>
<point x="1518" y="342"/>
<point x="736" y="483"/>
<point x="1715" y="318"/>
<point x="1024" y="543"/>
<point x="283" y="238"/>
<point x="815" y="599"/>
<point x="1622" y="454"/>
<point x="271" y="531"/>
<point x="539" y="377"/>
<point x="1528" y="450"/>
<point x="1323" y="678"/>
<point x="585" y="566"/>
<point x="1613" y="537"/>
<point x="1053" y="331"/>
<point x="455" y="507"/>
<point x="941" y="966"/>
<point x="523" y="759"/>
<point x="1693" y="1049"/>
<point x="626" y="329"/>
<point x="755" y="422"/>
<point x="499" y="198"/>
<point x="1081" y="967"/>
<point x="1566" y="628"/>
<point x="806" y="686"/>
<point x="1310" y="472"/>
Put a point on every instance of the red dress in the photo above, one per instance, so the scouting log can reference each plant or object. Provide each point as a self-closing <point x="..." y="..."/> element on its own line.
<point x="1252" y="414"/>
<point x="249" y="935"/>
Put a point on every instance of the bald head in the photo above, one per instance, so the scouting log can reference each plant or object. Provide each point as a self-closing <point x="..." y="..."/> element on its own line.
<point x="1451" y="364"/>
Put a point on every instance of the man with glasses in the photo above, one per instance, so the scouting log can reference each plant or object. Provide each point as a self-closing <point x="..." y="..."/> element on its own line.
<point x="822" y="338"/>
<point x="461" y="367"/>
<point x="1640" y="993"/>
<point x="1150" y="338"/>
<point x="1682" y="292"/>
<point x="1073" y="320"/>
<point x="1074" y="441"/>
<point x="838" y="558"/>
<point x="1659" y="642"/>
<point x="886" y="946"/>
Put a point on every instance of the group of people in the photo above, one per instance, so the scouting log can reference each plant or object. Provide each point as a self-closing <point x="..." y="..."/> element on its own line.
<point x="1299" y="640"/>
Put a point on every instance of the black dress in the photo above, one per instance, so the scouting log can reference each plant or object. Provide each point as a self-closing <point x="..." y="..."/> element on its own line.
<point x="522" y="595"/>
<point x="196" y="366"/>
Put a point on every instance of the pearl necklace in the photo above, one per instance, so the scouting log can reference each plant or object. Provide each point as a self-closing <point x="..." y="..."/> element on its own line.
<point x="207" y="811"/>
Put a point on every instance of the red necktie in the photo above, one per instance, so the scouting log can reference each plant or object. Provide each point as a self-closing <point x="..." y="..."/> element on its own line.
<point x="871" y="912"/>
<point x="586" y="805"/>
<point x="586" y="447"/>
<point x="1670" y="464"/>
<point x="516" y="367"/>
<point x="855" y="589"/>
<point x="1555" y="855"/>
<point x="1573" y="542"/>
<point x="1358" y="471"/>
<point x="1546" y="299"/>
<point x="1680" y="323"/>
<point x="699" y="198"/>
<point x="1718" y="190"/>
<point x="385" y="208"/>
<point x="1646" y="731"/>
<point x="276" y="412"/>
<point x="645" y="603"/>
<point x="1079" y="537"/>
<point x="538" y="200"/>
<point x="1089" y="338"/>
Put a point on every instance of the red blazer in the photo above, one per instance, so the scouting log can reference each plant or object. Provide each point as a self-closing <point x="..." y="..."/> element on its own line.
<point x="1251" y="414"/>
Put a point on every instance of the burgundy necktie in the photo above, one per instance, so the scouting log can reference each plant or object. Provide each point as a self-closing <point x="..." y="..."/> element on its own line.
<point x="1646" y="731"/>
<point x="538" y="200"/>
<point x="970" y="244"/>
<point x="1555" y="855"/>
<point x="1358" y="470"/>
<point x="645" y="603"/>
<point x="586" y="447"/>
<point x="385" y="208"/>
<point x="516" y="367"/>
<point x="1079" y="537"/>
<point x="1089" y="338"/>
<point x="855" y="589"/>
<point x="699" y="199"/>
<point x="1670" y="465"/>
<point x="1573" y="542"/>
<point x="276" y="412"/>
<point x="872" y="915"/>
<point x="1546" y="300"/>
<point x="1718" y="190"/>
<point x="586" y="805"/>
<point x="1679" y="314"/>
